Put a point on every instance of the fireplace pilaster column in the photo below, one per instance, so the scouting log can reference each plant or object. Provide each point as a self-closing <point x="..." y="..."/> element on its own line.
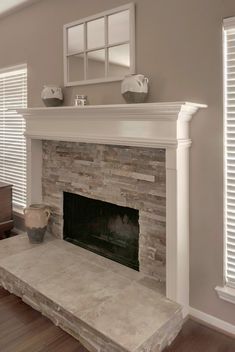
<point x="177" y="224"/>
<point x="34" y="170"/>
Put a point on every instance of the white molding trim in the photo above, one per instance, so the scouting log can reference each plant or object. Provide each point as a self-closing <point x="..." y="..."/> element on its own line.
<point x="176" y="111"/>
<point x="153" y="125"/>
<point x="226" y="293"/>
<point x="212" y="321"/>
<point x="131" y="142"/>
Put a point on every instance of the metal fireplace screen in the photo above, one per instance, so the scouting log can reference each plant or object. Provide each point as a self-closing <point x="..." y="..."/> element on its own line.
<point x="104" y="228"/>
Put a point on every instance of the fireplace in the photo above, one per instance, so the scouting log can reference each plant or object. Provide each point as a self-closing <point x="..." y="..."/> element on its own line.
<point x="101" y="227"/>
<point x="133" y="155"/>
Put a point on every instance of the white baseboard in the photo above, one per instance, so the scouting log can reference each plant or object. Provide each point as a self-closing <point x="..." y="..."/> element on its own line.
<point x="212" y="321"/>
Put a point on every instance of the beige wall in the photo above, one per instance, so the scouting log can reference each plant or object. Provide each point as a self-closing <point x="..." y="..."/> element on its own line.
<point x="179" y="46"/>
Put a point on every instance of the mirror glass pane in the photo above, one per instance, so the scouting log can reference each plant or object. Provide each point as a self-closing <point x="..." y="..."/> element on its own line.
<point x="76" y="68"/>
<point x="96" y="64"/>
<point x="95" y="33"/>
<point x="118" y="27"/>
<point x="119" y="60"/>
<point x="75" y="39"/>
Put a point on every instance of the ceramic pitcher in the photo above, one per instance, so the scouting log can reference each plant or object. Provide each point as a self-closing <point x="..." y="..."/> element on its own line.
<point x="36" y="221"/>
<point x="134" y="88"/>
<point x="52" y="95"/>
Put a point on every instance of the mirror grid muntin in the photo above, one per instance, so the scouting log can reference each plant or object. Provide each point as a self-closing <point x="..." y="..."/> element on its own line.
<point x="90" y="49"/>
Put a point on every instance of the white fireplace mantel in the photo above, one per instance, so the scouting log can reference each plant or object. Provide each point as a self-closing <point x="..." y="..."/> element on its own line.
<point x="151" y="125"/>
<point x="148" y="125"/>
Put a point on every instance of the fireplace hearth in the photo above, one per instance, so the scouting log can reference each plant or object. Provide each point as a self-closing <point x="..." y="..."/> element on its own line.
<point x="103" y="228"/>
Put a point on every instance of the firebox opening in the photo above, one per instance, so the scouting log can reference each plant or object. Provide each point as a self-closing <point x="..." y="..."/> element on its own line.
<point x="104" y="228"/>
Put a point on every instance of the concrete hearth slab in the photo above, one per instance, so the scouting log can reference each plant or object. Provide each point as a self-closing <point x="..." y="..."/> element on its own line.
<point x="108" y="307"/>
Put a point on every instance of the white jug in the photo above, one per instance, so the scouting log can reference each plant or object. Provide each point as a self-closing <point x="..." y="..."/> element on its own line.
<point x="52" y="95"/>
<point x="134" y="88"/>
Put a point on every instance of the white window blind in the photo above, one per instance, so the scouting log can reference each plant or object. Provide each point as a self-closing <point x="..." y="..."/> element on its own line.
<point x="13" y="95"/>
<point x="229" y="149"/>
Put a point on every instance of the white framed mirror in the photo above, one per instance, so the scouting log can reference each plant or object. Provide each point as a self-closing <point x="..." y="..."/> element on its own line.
<point x="100" y="48"/>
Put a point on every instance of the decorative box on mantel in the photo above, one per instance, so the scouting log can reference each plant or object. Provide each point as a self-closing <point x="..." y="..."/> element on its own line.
<point x="151" y="125"/>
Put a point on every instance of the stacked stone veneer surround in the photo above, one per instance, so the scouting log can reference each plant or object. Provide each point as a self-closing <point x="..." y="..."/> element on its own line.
<point x="127" y="176"/>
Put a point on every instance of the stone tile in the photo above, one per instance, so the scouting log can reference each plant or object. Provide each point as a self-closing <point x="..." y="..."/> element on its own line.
<point x="98" y="260"/>
<point x="108" y="307"/>
<point x="18" y="244"/>
<point x="157" y="286"/>
<point x="82" y="288"/>
<point x="127" y="176"/>
<point x="132" y="316"/>
<point x="39" y="263"/>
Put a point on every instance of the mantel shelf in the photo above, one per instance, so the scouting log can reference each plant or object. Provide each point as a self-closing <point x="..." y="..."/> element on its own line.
<point x="154" y="125"/>
<point x="146" y="111"/>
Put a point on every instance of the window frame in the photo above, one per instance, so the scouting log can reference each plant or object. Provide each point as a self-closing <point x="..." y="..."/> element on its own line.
<point x="227" y="24"/>
<point x="128" y="7"/>
<point x="227" y="291"/>
<point x="17" y="209"/>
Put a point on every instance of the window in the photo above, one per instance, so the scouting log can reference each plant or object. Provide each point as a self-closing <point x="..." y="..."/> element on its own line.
<point x="229" y="145"/>
<point x="100" y="48"/>
<point x="13" y="95"/>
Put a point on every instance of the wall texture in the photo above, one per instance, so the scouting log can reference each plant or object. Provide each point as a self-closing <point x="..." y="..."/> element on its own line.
<point x="179" y="46"/>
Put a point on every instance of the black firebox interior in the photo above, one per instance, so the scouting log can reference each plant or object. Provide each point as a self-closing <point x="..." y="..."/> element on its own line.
<point x="104" y="228"/>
